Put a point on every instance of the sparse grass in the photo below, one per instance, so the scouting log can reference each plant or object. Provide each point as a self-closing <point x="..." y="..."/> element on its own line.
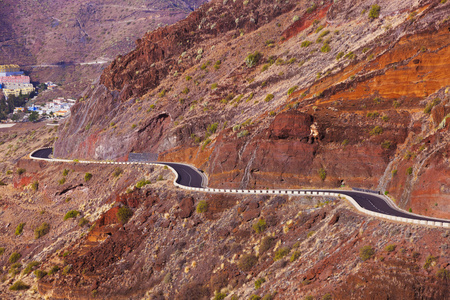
<point x="19" y="228"/>
<point x="247" y="261"/>
<point x="71" y="214"/>
<point x="282" y="252"/>
<point x="366" y="252"/>
<point x="259" y="226"/>
<point x="124" y="214"/>
<point x="41" y="230"/>
<point x="202" y="207"/>
<point x="14" y="257"/>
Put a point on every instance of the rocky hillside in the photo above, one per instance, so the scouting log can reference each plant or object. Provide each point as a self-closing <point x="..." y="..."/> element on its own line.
<point x="292" y="94"/>
<point x="69" y="42"/>
<point x="128" y="233"/>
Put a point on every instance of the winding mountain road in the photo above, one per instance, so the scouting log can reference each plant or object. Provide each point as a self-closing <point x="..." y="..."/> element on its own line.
<point x="191" y="178"/>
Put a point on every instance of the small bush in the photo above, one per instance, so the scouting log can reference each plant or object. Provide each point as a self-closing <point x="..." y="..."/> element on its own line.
<point x="217" y="65"/>
<point x="243" y="133"/>
<point x="429" y="106"/>
<point x="62" y="180"/>
<point x="35" y="186"/>
<point x="202" y="207"/>
<point x="83" y="222"/>
<point x="409" y="171"/>
<point x="322" y="174"/>
<point x="255" y="297"/>
<point x="212" y="128"/>
<point x="124" y="214"/>
<point x="30" y="267"/>
<point x="386" y="144"/>
<point x="266" y="243"/>
<point x="67" y="269"/>
<point x="19" y="286"/>
<point x="87" y="177"/>
<point x="374" y="11"/>
<point x="259" y="282"/>
<point x="117" y="172"/>
<point x="53" y="270"/>
<point x="2" y="250"/>
<point x="252" y="59"/>
<point x="390" y="248"/>
<point x="186" y="91"/>
<point x="19" y="228"/>
<point x="142" y="183"/>
<point x="339" y="55"/>
<point x="282" y="252"/>
<point x="350" y="55"/>
<point x="247" y="261"/>
<point x="305" y="44"/>
<point x="214" y="86"/>
<point x="443" y="274"/>
<point x="319" y="28"/>
<point x="376" y="130"/>
<point x="65" y="173"/>
<point x="71" y="214"/>
<point x="41" y="230"/>
<point x="430" y="259"/>
<point x="15" y="256"/>
<point x="20" y="171"/>
<point x="259" y="226"/>
<point x="292" y="89"/>
<point x="219" y="296"/>
<point x="269" y="97"/>
<point x="325" y="48"/>
<point x="327" y="297"/>
<point x="294" y="256"/>
<point x="366" y="252"/>
<point x="40" y="274"/>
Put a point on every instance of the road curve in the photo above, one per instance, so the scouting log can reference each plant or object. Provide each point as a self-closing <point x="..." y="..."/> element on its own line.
<point x="191" y="178"/>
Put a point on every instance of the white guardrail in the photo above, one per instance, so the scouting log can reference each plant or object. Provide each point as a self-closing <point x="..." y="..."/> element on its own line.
<point x="270" y="192"/>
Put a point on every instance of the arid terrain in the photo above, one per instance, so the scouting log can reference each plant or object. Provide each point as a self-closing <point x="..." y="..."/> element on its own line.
<point x="257" y="94"/>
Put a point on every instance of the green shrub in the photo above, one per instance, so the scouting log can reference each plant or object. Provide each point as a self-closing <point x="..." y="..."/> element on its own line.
<point x="162" y="93"/>
<point x="266" y="243"/>
<point x="160" y="178"/>
<point x="87" y="177"/>
<point x="259" y="282"/>
<point x="324" y="33"/>
<point x="292" y="89"/>
<point x="217" y="65"/>
<point x="142" y="183"/>
<point x="117" y="172"/>
<point x="186" y="91"/>
<point x="19" y="228"/>
<point x="390" y="248"/>
<point x="255" y="297"/>
<point x="252" y="59"/>
<point x="53" y="270"/>
<point x="15" y="256"/>
<point x="311" y="8"/>
<point x="188" y="78"/>
<point x="2" y="250"/>
<point x="15" y="269"/>
<point x="409" y="171"/>
<point x="39" y="274"/>
<point x="124" y="214"/>
<point x="366" y="252"/>
<point x="219" y="296"/>
<point x="67" y="269"/>
<point x="376" y="130"/>
<point x="243" y="133"/>
<point x="325" y="48"/>
<point x="327" y="297"/>
<point x="30" y="267"/>
<point x="394" y="172"/>
<point x="322" y="174"/>
<point x="202" y="207"/>
<point x="35" y="186"/>
<point x="282" y="252"/>
<point x="430" y="105"/>
<point x="41" y="230"/>
<point x="374" y="11"/>
<point x="20" y="171"/>
<point x="386" y="144"/>
<point x="19" y="286"/>
<point x="295" y="256"/>
<point x="212" y="128"/>
<point x="214" y="86"/>
<point x="247" y="262"/>
<point x="83" y="222"/>
<point x="259" y="226"/>
<point x="305" y="44"/>
<point x="71" y="214"/>
<point x="62" y="180"/>
<point x="65" y="172"/>
<point x="319" y="28"/>
<point x="206" y="143"/>
<point x="430" y="259"/>
<point x="269" y="97"/>
<point x="350" y="55"/>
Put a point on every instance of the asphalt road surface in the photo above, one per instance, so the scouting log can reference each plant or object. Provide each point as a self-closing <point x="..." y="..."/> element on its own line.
<point x="190" y="176"/>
